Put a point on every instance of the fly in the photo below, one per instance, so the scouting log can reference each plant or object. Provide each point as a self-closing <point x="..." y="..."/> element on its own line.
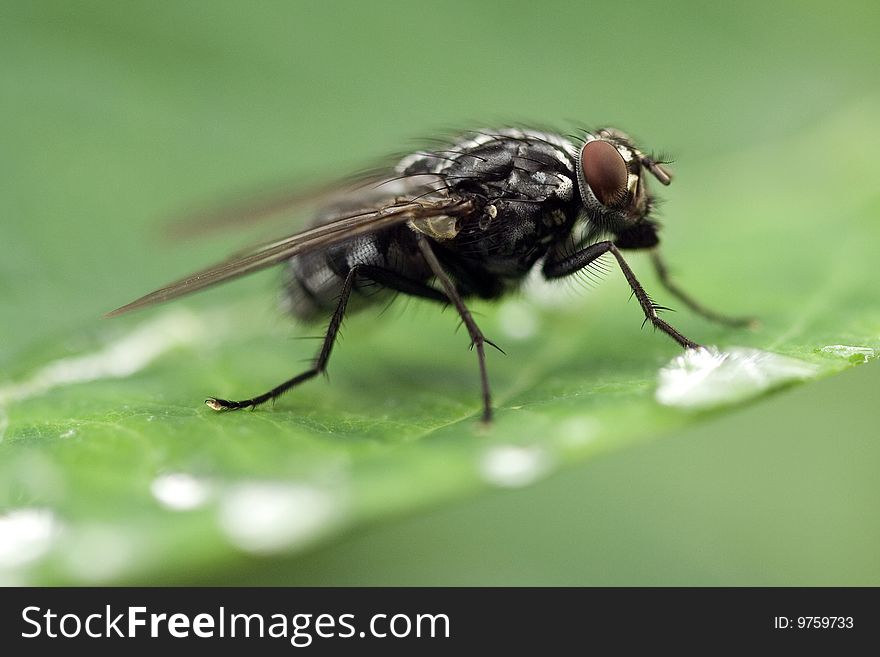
<point x="470" y="218"/>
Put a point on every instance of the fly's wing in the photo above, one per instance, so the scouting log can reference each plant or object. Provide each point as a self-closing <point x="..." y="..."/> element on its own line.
<point x="333" y="231"/>
<point x="254" y="208"/>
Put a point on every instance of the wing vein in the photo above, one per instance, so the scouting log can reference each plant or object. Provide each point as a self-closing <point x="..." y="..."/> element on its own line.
<point x="324" y="235"/>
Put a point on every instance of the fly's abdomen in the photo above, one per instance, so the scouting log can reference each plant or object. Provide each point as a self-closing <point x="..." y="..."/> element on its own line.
<point x="313" y="281"/>
<point x="309" y="286"/>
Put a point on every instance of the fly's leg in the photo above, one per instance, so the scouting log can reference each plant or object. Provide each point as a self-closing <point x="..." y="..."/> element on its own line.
<point x="382" y="276"/>
<point x="478" y="340"/>
<point x="693" y="304"/>
<point x="573" y="263"/>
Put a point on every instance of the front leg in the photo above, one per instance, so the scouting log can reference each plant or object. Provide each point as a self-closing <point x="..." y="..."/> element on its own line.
<point x="644" y="236"/>
<point x="693" y="304"/>
<point x="558" y="268"/>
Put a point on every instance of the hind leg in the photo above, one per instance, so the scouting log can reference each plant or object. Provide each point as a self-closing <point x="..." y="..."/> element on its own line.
<point x="386" y="277"/>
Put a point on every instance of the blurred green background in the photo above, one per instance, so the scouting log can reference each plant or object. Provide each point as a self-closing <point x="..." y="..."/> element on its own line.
<point x="116" y="116"/>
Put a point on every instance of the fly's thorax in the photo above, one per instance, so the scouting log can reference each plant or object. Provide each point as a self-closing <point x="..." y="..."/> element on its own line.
<point x="522" y="183"/>
<point x="505" y="163"/>
<point x="510" y="241"/>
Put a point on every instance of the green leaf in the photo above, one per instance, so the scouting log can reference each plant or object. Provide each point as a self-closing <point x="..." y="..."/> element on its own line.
<point x="111" y="468"/>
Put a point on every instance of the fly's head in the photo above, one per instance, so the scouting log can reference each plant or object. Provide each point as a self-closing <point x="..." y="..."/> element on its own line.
<point x="611" y="173"/>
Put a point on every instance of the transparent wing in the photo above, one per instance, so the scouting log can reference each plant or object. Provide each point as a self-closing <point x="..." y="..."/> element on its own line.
<point x="266" y="204"/>
<point x="335" y="230"/>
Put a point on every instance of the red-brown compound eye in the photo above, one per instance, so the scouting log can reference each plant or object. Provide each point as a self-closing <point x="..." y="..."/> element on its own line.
<point x="604" y="171"/>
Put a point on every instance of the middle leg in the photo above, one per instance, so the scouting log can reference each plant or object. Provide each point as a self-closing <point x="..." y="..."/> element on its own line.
<point x="478" y="340"/>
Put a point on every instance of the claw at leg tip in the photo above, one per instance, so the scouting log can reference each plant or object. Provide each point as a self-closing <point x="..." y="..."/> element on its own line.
<point x="214" y="404"/>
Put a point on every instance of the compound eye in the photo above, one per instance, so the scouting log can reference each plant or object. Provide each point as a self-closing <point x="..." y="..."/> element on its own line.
<point x="604" y="171"/>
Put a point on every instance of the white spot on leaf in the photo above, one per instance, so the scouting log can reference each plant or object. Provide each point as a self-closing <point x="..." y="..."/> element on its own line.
<point x="703" y="378"/>
<point x="120" y="358"/>
<point x="26" y="535"/>
<point x="861" y="354"/>
<point x="514" y="466"/>
<point x="267" y="517"/>
<point x="180" y="491"/>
